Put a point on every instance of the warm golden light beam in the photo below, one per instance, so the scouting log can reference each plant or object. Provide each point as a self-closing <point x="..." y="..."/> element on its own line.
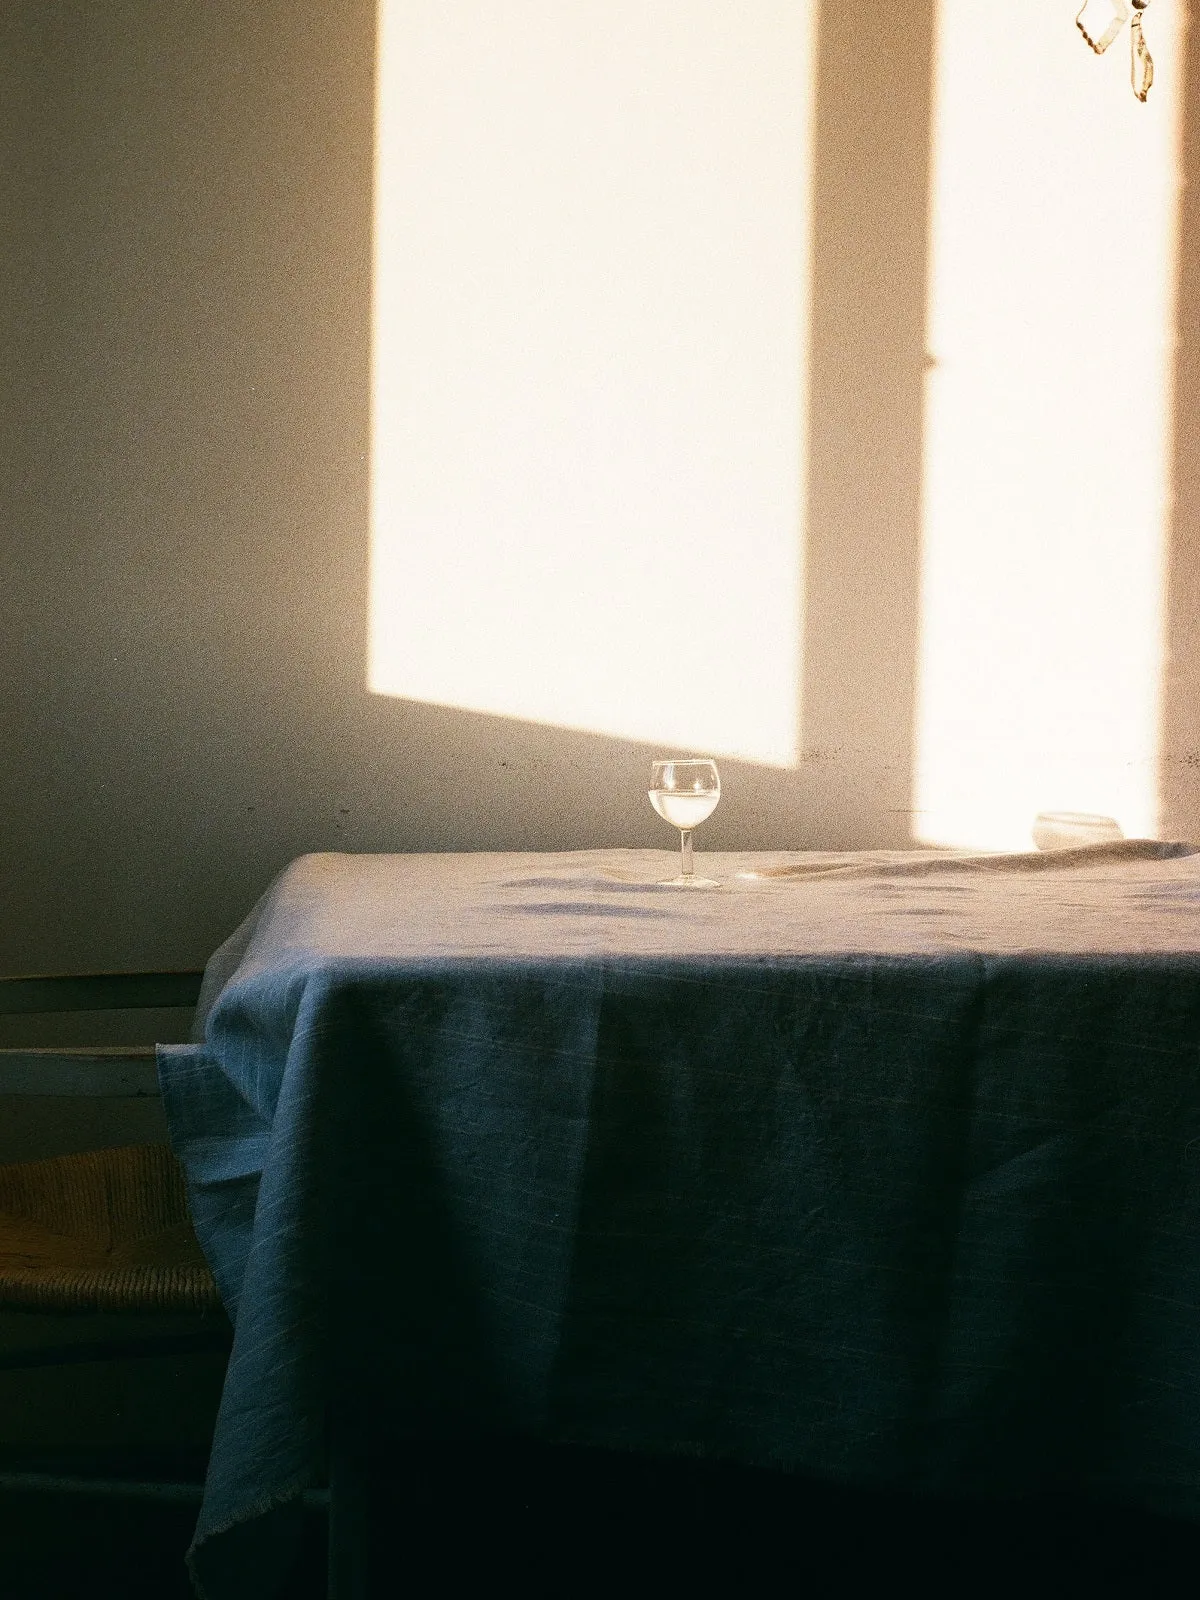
<point x="591" y="263"/>
<point x="1048" y="419"/>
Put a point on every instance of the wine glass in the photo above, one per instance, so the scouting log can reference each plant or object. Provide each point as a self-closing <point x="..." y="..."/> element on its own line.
<point x="684" y="793"/>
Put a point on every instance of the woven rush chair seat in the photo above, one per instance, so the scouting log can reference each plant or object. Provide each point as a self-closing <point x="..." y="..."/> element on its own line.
<point x="106" y="1230"/>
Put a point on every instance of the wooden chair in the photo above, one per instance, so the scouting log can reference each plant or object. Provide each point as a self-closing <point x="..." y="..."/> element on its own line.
<point x="98" y="1259"/>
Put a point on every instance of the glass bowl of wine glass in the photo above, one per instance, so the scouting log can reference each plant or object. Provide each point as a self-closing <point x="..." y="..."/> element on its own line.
<point x="685" y="793"/>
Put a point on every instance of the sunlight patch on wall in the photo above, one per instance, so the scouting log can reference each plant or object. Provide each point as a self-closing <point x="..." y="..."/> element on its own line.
<point x="590" y="326"/>
<point x="1048" y="421"/>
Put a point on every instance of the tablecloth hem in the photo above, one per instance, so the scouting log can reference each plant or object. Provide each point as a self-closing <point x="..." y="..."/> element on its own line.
<point x="279" y="1499"/>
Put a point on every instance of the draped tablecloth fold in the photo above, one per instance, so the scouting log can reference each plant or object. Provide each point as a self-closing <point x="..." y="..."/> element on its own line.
<point x="883" y="1167"/>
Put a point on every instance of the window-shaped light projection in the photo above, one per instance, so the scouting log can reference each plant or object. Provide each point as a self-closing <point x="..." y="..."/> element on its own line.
<point x="1048" y="424"/>
<point x="590" y="325"/>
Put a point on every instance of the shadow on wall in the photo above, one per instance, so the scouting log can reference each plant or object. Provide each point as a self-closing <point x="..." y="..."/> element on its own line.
<point x="869" y="294"/>
<point x="1179" y="774"/>
<point x="186" y="604"/>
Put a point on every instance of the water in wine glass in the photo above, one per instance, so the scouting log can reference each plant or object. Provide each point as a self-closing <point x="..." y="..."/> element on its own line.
<point x="684" y="793"/>
<point x="683" y="810"/>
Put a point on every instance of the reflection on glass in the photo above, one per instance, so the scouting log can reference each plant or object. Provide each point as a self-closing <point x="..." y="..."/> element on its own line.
<point x="685" y="793"/>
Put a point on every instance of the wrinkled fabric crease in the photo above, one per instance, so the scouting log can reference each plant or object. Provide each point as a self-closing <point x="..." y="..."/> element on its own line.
<point x="881" y="1167"/>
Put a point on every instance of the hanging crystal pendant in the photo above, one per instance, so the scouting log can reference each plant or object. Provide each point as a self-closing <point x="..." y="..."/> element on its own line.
<point x="1141" y="62"/>
<point x="1100" y="21"/>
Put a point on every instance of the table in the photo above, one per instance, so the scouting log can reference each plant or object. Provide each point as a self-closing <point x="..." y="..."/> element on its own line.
<point x="883" y="1167"/>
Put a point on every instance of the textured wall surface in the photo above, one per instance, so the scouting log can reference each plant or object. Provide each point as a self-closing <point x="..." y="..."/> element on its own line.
<point x="184" y="494"/>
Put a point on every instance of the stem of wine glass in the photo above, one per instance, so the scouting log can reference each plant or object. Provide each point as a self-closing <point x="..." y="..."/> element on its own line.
<point x="685" y="841"/>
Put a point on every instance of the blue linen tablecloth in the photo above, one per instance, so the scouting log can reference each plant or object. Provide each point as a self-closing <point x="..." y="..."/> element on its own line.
<point x="884" y="1167"/>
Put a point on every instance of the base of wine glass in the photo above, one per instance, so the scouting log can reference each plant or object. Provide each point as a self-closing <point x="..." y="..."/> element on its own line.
<point x="694" y="882"/>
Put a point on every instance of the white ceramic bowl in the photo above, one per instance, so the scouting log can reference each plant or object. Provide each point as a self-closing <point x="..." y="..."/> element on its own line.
<point x="1067" y="830"/>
